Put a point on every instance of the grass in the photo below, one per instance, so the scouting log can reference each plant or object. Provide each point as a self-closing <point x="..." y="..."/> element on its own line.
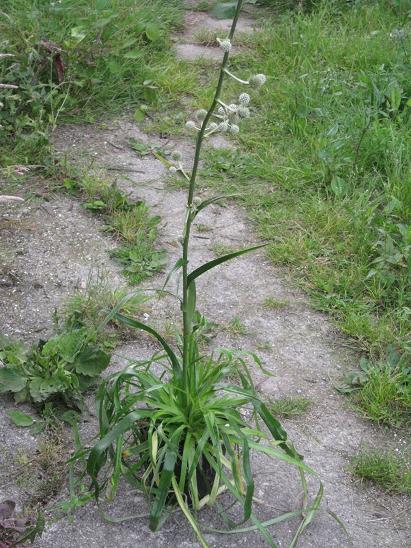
<point x="89" y="307"/>
<point x="236" y="327"/>
<point x="387" y="470"/>
<point x="43" y="473"/>
<point x="219" y="249"/>
<point x="115" y="55"/>
<point x="138" y="230"/>
<point x="271" y="303"/>
<point x="325" y="165"/>
<point x="385" y="396"/>
<point x="289" y="406"/>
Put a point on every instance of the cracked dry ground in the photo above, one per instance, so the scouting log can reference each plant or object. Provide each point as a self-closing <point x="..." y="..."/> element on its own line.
<point x="51" y="247"/>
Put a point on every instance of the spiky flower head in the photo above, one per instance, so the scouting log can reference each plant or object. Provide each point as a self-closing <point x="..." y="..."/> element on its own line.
<point x="225" y="44"/>
<point x="201" y="114"/>
<point x="176" y="155"/>
<point x="244" y="99"/>
<point x="223" y="126"/>
<point x="234" y="129"/>
<point x="212" y="127"/>
<point x="257" y="80"/>
<point x="190" y="124"/>
<point x="221" y="111"/>
<point x="172" y="169"/>
<point x="233" y="107"/>
<point x="243" y="112"/>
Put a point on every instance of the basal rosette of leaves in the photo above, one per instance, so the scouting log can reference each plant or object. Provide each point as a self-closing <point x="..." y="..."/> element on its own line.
<point x="59" y="368"/>
<point x="175" y="426"/>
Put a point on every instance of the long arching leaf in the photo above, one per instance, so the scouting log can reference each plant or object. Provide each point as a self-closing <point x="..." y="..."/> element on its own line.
<point x="96" y="460"/>
<point x="166" y="475"/>
<point x="214" y="200"/>
<point x="139" y="325"/>
<point x="211" y="264"/>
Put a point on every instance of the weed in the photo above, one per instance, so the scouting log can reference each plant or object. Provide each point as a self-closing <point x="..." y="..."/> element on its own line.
<point x="385" y="396"/>
<point x="44" y="472"/>
<point x="264" y="346"/>
<point x="89" y="64"/>
<point x="385" y="469"/>
<point x="274" y="304"/>
<point x="219" y="249"/>
<point x="381" y="391"/>
<point x="90" y="307"/>
<point x="200" y="227"/>
<point x="289" y="406"/>
<point x="236" y="327"/>
<point x="331" y="190"/>
<point x="56" y="369"/>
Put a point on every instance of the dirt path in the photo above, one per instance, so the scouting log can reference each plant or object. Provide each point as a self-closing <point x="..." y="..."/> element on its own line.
<point x="298" y="345"/>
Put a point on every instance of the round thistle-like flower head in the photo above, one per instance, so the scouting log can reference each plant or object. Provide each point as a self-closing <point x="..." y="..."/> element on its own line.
<point x="176" y="155"/>
<point x="190" y="124"/>
<point x="212" y="127"/>
<point x="233" y="107"/>
<point x="201" y="114"/>
<point x="172" y="169"/>
<point x="221" y="111"/>
<point x="243" y="112"/>
<point x="257" y="80"/>
<point x="225" y="44"/>
<point x="244" y="99"/>
<point x="197" y="201"/>
<point x="234" y="129"/>
<point x="223" y="126"/>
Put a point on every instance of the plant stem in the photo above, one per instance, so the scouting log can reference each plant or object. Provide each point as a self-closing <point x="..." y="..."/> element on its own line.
<point x="187" y="327"/>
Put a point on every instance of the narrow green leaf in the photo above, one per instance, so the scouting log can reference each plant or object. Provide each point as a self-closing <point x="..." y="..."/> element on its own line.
<point x="139" y="325"/>
<point x="94" y="461"/>
<point x="214" y="200"/>
<point x="281" y="456"/>
<point x="249" y="481"/>
<point x="19" y="418"/>
<point x="309" y="516"/>
<point x="166" y="476"/>
<point x="187" y="513"/>
<point x="179" y="263"/>
<point x="268" y="523"/>
<point x="211" y="264"/>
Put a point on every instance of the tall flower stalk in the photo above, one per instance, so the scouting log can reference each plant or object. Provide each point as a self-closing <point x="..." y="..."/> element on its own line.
<point x="187" y="316"/>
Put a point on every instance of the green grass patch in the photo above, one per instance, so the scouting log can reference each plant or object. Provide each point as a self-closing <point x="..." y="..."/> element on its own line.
<point x="236" y="327"/>
<point x="138" y="230"/>
<point x="388" y="470"/>
<point x="219" y="249"/>
<point x="385" y="396"/>
<point x="271" y="303"/>
<point x="289" y="406"/>
<point x="326" y="170"/>
<point x="81" y="59"/>
<point x="89" y="308"/>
